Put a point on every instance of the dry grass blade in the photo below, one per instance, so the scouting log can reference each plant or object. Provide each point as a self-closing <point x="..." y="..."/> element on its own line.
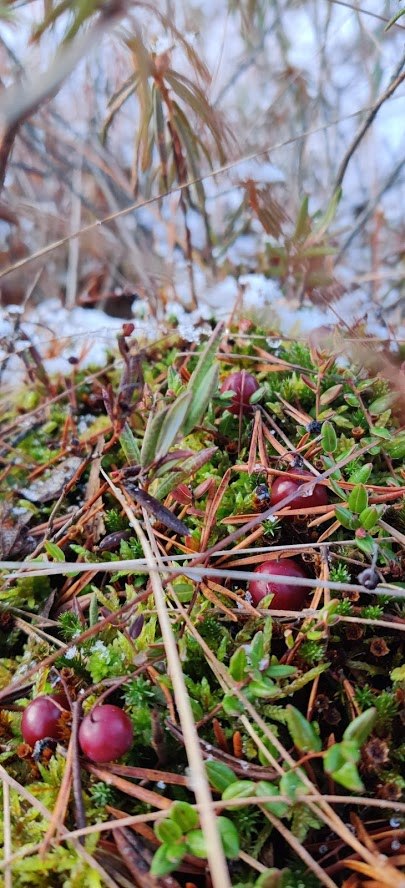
<point x="216" y="857"/>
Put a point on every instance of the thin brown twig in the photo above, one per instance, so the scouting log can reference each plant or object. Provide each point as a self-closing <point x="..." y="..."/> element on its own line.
<point x="397" y="78"/>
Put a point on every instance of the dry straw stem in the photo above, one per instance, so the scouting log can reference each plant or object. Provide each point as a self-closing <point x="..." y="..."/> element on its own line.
<point x="299" y="849"/>
<point x="37" y="804"/>
<point x="224" y="168"/>
<point x="215" y="854"/>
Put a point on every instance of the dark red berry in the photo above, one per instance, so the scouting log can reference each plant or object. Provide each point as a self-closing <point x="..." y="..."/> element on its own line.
<point x="41" y="719"/>
<point x="286" y="596"/>
<point x="106" y="734"/>
<point x="244" y="385"/>
<point x="282" y="487"/>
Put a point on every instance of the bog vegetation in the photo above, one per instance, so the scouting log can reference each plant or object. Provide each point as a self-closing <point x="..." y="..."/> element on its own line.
<point x="202" y="538"/>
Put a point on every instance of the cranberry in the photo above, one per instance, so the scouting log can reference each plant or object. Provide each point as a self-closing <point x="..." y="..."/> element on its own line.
<point x="244" y="385"/>
<point x="283" y="487"/>
<point x="106" y="733"/>
<point x="286" y="596"/>
<point x="41" y="719"/>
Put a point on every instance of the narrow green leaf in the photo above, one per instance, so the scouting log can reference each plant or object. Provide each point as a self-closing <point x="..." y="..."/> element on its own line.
<point x="238" y="664"/>
<point x="201" y="396"/>
<point x="188" y="467"/>
<point x="172" y="423"/>
<point x="361" y="475"/>
<point x="361" y="727"/>
<point x="151" y="436"/>
<point x="130" y="445"/>
<point x="54" y="551"/>
<point x="93" y="610"/>
<point x="328" y="216"/>
<point x="280" y="670"/>
<point x="331" y="393"/>
<point x="368" y="517"/>
<point x="219" y="775"/>
<point x="302" y="732"/>
<point x="199" y="378"/>
<point x="328" y="437"/>
<point x="358" y="499"/>
<point x="381" y="432"/>
<point x="302" y="226"/>
<point x="346" y="518"/>
<point x="381" y="404"/>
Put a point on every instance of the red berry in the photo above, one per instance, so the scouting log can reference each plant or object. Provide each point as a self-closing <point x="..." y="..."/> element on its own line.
<point x="282" y="487"/>
<point x="41" y="719"/>
<point x="286" y="596"/>
<point x="244" y="385"/>
<point x="106" y="733"/>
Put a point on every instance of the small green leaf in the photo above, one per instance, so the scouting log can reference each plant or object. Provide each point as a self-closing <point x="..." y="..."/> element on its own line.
<point x="330" y="394"/>
<point x="196" y="843"/>
<point x="204" y="380"/>
<point x="172" y="424"/>
<point x="166" y="859"/>
<point x="328" y="437"/>
<point x="346" y="518"/>
<point x="263" y="788"/>
<point x="292" y="783"/>
<point x="231" y="705"/>
<point x="302" y="732"/>
<point x="229" y="837"/>
<point x="369" y="517"/>
<point x="184" y="815"/>
<point x="358" y="499"/>
<point x="302" y="226"/>
<point x="361" y="727"/>
<point x="93" y="610"/>
<point x="381" y="432"/>
<point x="366" y="545"/>
<point x="349" y="777"/>
<point x="129" y="445"/>
<point x="261" y="688"/>
<point x="351" y="400"/>
<point x="257" y="650"/>
<point x="381" y="404"/>
<point x="398" y="674"/>
<point x="219" y="775"/>
<point x="150" y="438"/>
<point x="361" y="475"/>
<point x="280" y="670"/>
<point x="54" y="551"/>
<point x="241" y="789"/>
<point x="396" y="447"/>
<point x="238" y="664"/>
<point x="168" y="831"/>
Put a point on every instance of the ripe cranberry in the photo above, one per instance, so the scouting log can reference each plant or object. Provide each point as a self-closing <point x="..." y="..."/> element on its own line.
<point x="282" y="487"/>
<point x="244" y="385"/>
<point x="286" y="596"/>
<point x="41" y="719"/>
<point x="106" y="733"/>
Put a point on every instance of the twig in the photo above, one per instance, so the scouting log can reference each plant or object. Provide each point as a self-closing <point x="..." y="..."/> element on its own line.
<point x="397" y="78"/>
<point x="371" y="207"/>
<point x="215" y="854"/>
<point x="76" y="782"/>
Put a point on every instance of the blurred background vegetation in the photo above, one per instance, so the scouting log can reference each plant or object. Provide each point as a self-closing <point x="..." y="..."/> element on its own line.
<point x="231" y="126"/>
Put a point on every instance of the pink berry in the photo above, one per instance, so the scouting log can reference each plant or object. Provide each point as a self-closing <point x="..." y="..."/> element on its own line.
<point x="283" y="487"/>
<point x="41" y="719"/>
<point x="106" y="733"/>
<point x="286" y="596"/>
<point x="244" y="385"/>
